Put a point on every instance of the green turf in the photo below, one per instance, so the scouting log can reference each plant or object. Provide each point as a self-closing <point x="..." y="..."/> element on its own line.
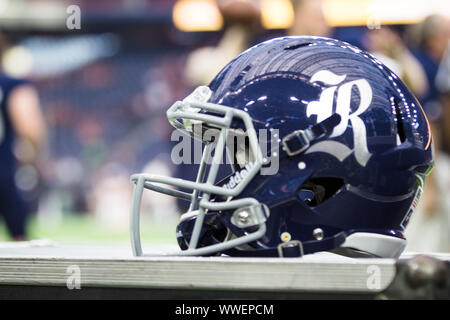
<point x="86" y="229"/>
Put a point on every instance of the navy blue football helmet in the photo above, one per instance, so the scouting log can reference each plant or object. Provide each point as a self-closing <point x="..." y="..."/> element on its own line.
<point x="329" y="151"/>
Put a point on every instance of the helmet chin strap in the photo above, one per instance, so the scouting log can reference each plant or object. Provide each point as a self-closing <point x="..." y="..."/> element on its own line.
<point x="294" y="249"/>
<point x="300" y="140"/>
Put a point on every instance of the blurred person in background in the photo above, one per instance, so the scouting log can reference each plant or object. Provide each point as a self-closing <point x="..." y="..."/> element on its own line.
<point x="387" y="45"/>
<point x="309" y="19"/>
<point x="243" y="30"/>
<point x="21" y="121"/>
<point x="242" y="27"/>
<point x="428" y="41"/>
<point x="429" y="227"/>
<point x="442" y="82"/>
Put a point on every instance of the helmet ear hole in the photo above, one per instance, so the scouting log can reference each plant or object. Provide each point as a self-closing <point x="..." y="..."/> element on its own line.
<point x="316" y="191"/>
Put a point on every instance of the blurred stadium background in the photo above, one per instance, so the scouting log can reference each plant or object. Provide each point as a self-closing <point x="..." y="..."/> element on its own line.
<point x="104" y="89"/>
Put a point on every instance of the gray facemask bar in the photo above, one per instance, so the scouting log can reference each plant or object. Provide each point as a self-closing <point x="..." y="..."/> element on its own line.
<point x="188" y="111"/>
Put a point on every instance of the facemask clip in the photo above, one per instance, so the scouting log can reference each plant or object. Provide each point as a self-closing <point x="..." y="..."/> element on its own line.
<point x="250" y="216"/>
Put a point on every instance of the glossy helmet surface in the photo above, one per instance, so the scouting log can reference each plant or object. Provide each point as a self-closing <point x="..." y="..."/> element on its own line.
<point x="344" y="144"/>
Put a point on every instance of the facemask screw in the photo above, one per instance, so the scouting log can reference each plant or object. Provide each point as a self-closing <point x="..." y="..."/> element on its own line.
<point x="285" y="237"/>
<point x="318" y="234"/>
<point x="243" y="216"/>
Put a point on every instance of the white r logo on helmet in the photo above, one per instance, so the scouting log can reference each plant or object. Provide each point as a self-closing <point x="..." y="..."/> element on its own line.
<point x="324" y="109"/>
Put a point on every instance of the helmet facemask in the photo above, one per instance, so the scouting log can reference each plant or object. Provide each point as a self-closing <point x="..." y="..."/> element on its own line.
<point x="216" y="123"/>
